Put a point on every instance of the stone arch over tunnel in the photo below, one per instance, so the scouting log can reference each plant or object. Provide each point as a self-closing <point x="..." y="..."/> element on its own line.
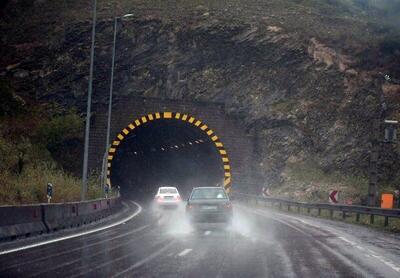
<point x="242" y="146"/>
<point x="158" y="138"/>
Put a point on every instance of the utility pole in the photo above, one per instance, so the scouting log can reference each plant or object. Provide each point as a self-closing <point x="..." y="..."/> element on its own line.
<point x="89" y="109"/>
<point x="373" y="163"/>
<point x="110" y="98"/>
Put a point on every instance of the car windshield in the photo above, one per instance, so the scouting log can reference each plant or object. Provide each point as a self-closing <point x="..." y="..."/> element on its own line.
<point x="168" y="191"/>
<point x="208" y="193"/>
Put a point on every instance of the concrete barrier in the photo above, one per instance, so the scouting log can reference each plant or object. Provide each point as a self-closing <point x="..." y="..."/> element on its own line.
<point x="26" y="220"/>
<point x="17" y="221"/>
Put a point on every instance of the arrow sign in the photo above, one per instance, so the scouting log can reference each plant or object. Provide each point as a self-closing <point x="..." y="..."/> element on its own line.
<point x="266" y="192"/>
<point x="333" y="196"/>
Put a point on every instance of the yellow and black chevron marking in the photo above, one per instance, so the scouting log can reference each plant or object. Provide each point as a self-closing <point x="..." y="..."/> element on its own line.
<point x="172" y="116"/>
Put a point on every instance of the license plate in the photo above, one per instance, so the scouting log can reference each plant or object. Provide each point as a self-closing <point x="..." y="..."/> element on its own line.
<point x="209" y="207"/>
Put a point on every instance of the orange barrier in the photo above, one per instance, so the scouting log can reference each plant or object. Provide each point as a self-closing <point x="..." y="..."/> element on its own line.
<point x="387" y="201"/>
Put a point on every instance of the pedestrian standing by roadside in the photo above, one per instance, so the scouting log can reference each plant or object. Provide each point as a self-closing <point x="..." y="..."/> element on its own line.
<point x="49" y="192"/>
<point x="397" y="198"/>
<point x="106" y="190"/>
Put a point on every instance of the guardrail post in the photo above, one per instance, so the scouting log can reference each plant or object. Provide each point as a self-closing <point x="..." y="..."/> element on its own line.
<point x="298" y="209"/>
<point x="386" y="221"/>
<point x="331" y="213"/>
<point x="371" y="221"/>
<point x="308" y="210"/>
<point x="319" y="211"/>
<point x="358" y="217"/>
<point x="344" y="215"/>
<point x="280" y="205"/>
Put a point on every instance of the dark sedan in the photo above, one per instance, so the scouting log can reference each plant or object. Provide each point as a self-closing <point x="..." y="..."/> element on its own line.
<point x="209" y="205"/>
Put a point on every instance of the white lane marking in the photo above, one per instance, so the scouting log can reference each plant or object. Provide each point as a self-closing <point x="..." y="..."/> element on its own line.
<point x="388" y="263"/>
<point x="145" y="260"/>
<point x="373" y="253"/>
<point x="139" y="210"/>
<point x="184" y="252"/>
<point x="78" y="248"/>
<point x="346" y="240"/>
<point x="207" y="233"/>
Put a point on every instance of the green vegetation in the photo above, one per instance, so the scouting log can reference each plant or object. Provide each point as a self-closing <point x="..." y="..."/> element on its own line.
<point x="39" y="143"/>
<point x="306" y="181"/>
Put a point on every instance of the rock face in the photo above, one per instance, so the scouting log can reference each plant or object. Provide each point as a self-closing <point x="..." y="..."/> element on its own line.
<point x="306" y="99"/>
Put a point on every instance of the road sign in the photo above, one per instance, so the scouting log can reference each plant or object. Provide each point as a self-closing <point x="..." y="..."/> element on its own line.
<point x="333" y="196"/>
<point x="265" y="192"/>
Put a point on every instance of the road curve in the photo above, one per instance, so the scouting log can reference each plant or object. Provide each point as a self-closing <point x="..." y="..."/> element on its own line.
<point x="261" y="243"/>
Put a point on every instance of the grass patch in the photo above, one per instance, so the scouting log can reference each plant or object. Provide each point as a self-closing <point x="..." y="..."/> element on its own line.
<point x="306" y="181"/>
<point x="40" y="143"/>
<point x="30" y="186"/>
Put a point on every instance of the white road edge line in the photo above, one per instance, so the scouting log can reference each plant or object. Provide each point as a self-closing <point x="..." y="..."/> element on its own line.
<point x="207" y="233"/>
<point x="139" y="210"/>
<point x="373" y="254"/>
<point x="184" y="252"/>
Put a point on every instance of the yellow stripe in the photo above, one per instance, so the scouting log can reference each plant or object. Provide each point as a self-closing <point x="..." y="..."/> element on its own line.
<point x="108" y="165"/>
<point x="197" y="123"/>
<point x="203" y="127"/>
<point x="112" y="150"/>
<point x="214" y="138"/>
<point x="158" y="115"/>
<point x="167" y="115"/>
<point x="222" y="151"/>
<point x="210" y="132"/>
<point x="227" y="181"/>
<point x="116" y="143"/>
<point x="178" y="115"/>
<point x="108" y="172"/>
<point x="120" y="136"/>
<point x="191" y="120"/>
<point x="144" y="120"/>
<point x="218" y="144"/>
<point x="131" y="126"/>
<point x="150" y="116"/>
<point x="225" y="159"/>
<point x="137" y="122"/>
<point x="125" y="131"/>
<point x="110" y="157"/>
<point x="227" y="174"/>
<point x="184" y="117"/>
<point x="227" y="167"/>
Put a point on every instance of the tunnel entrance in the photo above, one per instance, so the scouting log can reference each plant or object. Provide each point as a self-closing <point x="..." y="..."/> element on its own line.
<point x="166" y="152"/>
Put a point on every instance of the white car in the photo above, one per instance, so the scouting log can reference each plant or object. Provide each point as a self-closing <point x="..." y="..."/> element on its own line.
<point x="168" y="196"/>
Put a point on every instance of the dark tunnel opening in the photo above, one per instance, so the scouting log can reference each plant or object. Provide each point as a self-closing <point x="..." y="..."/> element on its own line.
<point x="165" y="152"/>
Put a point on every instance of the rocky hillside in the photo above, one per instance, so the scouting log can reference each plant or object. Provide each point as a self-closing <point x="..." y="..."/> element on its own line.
<point x="307" y="75"/>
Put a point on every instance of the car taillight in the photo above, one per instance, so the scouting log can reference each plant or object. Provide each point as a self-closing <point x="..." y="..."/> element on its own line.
<point x="159" y="198"/>
<point x="178" y="198"/>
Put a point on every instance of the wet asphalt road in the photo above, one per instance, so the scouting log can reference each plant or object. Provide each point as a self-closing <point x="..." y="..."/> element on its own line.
<point x="261" y="243"/>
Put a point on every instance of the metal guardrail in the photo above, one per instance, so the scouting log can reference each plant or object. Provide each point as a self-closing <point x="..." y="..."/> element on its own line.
<point x="344" y="209"/>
